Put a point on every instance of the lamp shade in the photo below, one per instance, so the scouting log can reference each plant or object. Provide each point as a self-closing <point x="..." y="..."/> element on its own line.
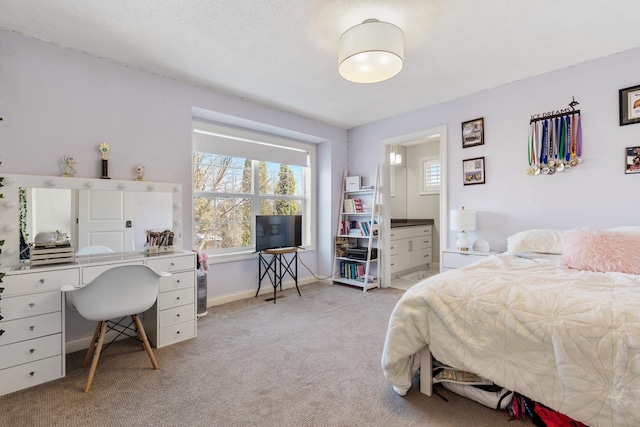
<point x="371" y="52"/>
<point x="463" y="220"/>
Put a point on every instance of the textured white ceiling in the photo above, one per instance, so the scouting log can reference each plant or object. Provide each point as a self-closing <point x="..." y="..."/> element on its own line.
<point x="283" y="53"/>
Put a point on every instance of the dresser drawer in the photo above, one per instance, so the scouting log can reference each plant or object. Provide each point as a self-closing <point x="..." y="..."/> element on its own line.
<point x="176" y="298"/>
<point x="29" y="305"/>
<point x="30" y="350"/>
<point x="456" y="260"/>
<point x="409" y="232"/>
<point x="28" y="283"/>
<point x="393" y="249"/>
<point x="175" y="263"/>
<point x="394" y="263"/>
<point x="30" y="327"/>
<point x="90" y="273"/>
<point x="30" y="374"/>
<point x="176" y="333"/>
<point x="423" y="242"/>
<point x="185" y="279"/>
<point x="177" y="315"/>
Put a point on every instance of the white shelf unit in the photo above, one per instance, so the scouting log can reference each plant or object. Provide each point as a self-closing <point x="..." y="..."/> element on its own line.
<point x="367" y="238"/>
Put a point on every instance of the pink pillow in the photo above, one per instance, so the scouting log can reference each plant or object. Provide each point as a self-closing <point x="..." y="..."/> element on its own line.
<point x="604" y="251"/>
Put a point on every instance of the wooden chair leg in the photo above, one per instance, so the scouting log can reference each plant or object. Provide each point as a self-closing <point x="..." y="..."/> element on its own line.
<point x="138" y="332"/>
<point x="96" y="356"/>
<point x="92" y="346"/>
<point x="145" y="341"/>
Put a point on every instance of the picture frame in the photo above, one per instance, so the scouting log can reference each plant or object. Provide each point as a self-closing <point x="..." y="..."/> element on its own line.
<point x="632" y="160"/>
<point x="629" y="105"/>
<point x="473" y="133"/>
<point x="473" y="171"/>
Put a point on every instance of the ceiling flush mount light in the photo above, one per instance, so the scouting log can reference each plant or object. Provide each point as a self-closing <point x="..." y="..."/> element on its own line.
<point x="371" y="52"/>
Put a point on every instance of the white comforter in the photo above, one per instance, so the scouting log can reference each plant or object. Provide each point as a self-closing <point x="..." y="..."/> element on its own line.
<point x="566" y="338"/>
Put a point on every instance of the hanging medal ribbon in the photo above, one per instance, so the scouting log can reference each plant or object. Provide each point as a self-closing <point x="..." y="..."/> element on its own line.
<point x="579" y="140"/>
<point x="554" y="142"/>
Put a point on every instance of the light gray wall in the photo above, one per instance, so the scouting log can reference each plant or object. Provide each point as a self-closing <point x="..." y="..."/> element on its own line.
<point x="595" y="194"/>
<point x="57" y="101"/>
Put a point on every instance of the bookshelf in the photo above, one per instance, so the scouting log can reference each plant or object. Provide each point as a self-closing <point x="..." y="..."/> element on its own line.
<point x="356" y="249"/>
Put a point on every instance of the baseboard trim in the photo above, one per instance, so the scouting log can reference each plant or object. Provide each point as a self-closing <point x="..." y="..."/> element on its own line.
<point x="265" y="289"/>
<point x="83" y="343"/>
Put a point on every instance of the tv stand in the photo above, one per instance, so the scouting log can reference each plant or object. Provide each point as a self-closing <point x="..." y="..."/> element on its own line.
<point x="276" y="266"/>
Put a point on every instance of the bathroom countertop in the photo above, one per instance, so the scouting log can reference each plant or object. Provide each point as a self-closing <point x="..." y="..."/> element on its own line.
<point x="410" y="222"/>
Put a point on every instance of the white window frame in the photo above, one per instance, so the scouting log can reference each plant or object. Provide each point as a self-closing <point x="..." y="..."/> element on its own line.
<point x="308" y="193"/>
<point x="424" y="163"/>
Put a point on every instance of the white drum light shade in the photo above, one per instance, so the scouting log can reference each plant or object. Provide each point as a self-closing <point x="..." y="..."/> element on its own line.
<point x="371" y="52"/>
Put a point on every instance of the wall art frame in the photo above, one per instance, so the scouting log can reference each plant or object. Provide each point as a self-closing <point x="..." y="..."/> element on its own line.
<point x="473" y="171"/>
<point x="473" y="133"/>
<point x="629" y="99"/>
<point x="632" y="160"/>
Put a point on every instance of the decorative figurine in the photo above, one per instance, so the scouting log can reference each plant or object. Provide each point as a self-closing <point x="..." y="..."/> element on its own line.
<point x="66" y="164"/>
<point x="139" y="172"/>
<point x="104" y="149"/>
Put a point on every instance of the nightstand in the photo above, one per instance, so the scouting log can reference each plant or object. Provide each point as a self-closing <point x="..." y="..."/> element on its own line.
<point x="452" y="258"/>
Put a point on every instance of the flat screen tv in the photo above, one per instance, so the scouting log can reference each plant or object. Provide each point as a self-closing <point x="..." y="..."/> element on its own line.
<point x="278" y="231"/>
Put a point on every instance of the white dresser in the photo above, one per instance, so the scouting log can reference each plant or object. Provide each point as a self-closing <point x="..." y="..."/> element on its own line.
<point x="32" y="312"/>
<point x="173" y="317"/>
<point x="31" y="327"/>
<point x="410" y="247"/>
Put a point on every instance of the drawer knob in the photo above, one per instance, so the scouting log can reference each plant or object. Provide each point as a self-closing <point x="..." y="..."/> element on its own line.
<point x="1" y="332"/>
<point x="33" y="350"/>
<point x="172" y="264"/>
<point x="41" y="281"/>
<point x="178" y="315"/>
<point x="31" y="305"/>
<point x="178" y="332"/>
<point x="178" y="298"/>
<point x="1" y="290"/>
<point x="32" y="328"/>
<point x="32" y="374"/>
<point x="177" y="281"/>
<point x="1" y="317"/>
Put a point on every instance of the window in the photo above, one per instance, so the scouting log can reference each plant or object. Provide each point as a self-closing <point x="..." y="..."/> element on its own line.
<point x="238" y="175"/>
<point x="430" y="175"/>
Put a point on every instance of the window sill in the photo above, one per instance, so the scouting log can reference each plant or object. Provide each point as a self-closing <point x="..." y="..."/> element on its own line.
<point x="243" y="256"/>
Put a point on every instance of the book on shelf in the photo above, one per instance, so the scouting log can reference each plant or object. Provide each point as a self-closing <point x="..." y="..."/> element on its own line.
<point x="353" y="205"/>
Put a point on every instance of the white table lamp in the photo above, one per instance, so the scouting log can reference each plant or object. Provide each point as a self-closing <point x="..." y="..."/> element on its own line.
<point x="463" y="220"/>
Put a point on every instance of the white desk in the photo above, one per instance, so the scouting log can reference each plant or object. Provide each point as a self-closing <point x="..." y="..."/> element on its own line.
<point x="32" y="311"/>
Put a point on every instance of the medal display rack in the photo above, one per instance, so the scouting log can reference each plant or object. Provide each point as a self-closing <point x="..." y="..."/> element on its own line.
<point x="555" y="141"/>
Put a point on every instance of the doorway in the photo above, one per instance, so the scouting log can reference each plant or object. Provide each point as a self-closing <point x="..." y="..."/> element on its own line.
<point x="405" y="195"/>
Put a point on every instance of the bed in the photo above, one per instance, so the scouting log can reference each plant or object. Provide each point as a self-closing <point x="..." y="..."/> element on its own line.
<point x="568" y="338"/>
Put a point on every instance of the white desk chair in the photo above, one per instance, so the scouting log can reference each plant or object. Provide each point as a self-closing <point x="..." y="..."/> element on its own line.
<point x="116" y="293"/>
<point x="94" y="250"/>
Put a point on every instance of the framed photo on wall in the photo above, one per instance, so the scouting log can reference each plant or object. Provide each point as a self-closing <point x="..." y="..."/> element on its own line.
<point x="630" y="105"/>
<point x="473" y="171"/>
<point x="632" y="164"/>
<point x="473" y="133"/>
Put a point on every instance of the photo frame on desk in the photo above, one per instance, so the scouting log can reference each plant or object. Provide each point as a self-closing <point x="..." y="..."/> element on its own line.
<point x="473" y="171"/>
<point x="629" y="99"/>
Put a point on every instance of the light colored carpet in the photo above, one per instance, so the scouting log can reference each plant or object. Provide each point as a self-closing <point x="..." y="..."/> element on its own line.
<point x="305" y="361"/>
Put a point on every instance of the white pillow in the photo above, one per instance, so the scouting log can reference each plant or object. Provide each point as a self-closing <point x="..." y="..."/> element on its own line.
<point x="631" y="229"/>
<point x="545" y="241"/>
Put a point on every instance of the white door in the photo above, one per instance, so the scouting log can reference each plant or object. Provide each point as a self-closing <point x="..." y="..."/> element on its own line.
<point x="103" y="217"/>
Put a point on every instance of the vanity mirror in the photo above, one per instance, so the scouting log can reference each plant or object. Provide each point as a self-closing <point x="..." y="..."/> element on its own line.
<point x="90" y="212"/>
